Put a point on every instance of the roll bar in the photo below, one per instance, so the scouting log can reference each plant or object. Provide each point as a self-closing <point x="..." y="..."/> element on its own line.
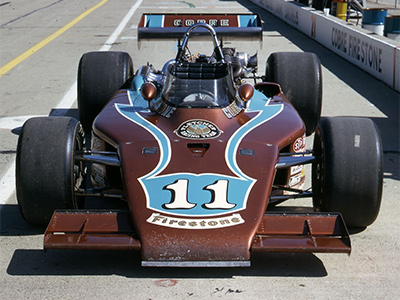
<point x="217" y="48"/>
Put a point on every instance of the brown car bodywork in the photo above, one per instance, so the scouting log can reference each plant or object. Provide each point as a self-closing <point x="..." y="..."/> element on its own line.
<point x="259" y="231"/>
<point x="168" y="237"/>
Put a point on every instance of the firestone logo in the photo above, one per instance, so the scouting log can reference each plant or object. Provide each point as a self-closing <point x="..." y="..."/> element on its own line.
<point x="185" y="223"/>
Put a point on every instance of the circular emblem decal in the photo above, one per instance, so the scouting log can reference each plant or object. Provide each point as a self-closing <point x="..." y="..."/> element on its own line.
<point x="198" y="129"/>
<point x="299" y="144"/>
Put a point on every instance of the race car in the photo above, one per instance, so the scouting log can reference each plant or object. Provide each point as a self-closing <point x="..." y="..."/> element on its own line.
<point x="189" y="164"/>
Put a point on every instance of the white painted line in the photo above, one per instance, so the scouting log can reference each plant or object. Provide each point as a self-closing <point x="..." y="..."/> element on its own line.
<point x="69" y="98"/>
<point x="7" y="182"/>
<point x="120" y="27"/>
<point x="10" y="123"/>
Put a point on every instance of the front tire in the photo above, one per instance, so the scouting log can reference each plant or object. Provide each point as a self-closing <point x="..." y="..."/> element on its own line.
<point x="46" y="171"/>
<point x="349" y="177"/>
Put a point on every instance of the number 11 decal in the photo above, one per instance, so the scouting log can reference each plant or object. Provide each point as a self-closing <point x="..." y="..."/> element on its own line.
<point x="179" y="198"/>
<point x="219" y="191"/>
<point x="179" y="190"/>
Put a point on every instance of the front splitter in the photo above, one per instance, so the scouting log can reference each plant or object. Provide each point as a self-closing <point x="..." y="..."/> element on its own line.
<point x="196" y="264"/>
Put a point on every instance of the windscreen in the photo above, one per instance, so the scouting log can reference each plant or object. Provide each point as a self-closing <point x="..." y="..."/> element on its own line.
<point x="203" y="92"/>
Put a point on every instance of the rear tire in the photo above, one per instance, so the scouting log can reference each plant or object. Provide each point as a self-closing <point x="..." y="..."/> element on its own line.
<point x="46" y="172"/>
<point x="300" y="77"/>
<point x="349" y="177"/>
<point x="100" y="75"/>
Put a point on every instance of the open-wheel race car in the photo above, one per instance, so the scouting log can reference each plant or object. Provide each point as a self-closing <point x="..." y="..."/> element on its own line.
<point x="188" y="164"/>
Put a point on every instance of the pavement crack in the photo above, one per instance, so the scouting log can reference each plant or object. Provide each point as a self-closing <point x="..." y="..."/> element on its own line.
<point x="28" y="14"/>
<point x="8" y="151"/>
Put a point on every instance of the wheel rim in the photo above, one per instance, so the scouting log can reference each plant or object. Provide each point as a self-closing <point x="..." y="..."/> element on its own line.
<point x="318" y="175"/>
<point x="79" y="170"/>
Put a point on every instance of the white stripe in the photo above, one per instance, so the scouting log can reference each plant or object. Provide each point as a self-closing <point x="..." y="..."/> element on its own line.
<point x="120" y="27"/>
<point x="10" y="123"/>
<point x="69" y="98"/>
<point x="7" y="182"/>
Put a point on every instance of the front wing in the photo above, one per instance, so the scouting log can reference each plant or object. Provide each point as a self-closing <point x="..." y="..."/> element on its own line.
<point x="277" y="232"/>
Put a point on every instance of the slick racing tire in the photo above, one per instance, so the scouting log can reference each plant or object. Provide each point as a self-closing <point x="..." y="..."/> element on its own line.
<point x="100" y="75"/>
<point x="348" y="177"/>
<point x="300" y="77"/>
<point x="46" y="171"/>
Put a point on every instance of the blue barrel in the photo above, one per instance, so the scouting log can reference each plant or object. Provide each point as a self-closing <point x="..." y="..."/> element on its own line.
<point x="373" y="19"/>
<point x="392" y="27"/>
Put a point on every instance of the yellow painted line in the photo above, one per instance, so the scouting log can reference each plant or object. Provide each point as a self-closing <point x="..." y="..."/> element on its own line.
<point x="12" y="64"/>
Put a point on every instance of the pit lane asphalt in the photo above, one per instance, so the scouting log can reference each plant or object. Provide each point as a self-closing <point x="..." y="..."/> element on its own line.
<point x="41" y="85"/>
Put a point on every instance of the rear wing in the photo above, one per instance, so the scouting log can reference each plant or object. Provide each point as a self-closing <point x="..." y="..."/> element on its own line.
<point x="247" y="27"/>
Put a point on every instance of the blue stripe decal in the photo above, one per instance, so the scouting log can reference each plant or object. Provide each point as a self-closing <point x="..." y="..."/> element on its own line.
<point x="265" y="112"/>
<point x="154" y="21"/>
<point x="131" y="112"/>
<point x="197" y="193"/>
<point x="247" y="21"/>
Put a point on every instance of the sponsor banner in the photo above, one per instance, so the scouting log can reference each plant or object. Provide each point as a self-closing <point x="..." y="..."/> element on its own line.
<point x="187" y="20"/>
<point x="294" y="180"/>
<point x="373" y="55"/>
<point x="186" y="223"/>
<point x="378" y="56"/>
<point x="296" y="169"/>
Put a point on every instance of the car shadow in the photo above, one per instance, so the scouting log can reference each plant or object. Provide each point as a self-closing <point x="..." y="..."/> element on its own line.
<point x="35" y="262"/>
<point x="127" y="264"/>
<point x="12" y="223"/>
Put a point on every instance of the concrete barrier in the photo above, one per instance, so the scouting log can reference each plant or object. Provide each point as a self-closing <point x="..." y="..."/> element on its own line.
<point x="379" y="56"/>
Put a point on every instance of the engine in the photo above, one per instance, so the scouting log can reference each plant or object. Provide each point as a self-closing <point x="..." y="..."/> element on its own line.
<point x="242" y="63"/>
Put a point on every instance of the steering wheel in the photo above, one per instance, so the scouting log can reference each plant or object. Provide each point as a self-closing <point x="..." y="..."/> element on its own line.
<point x="217" y="48"/>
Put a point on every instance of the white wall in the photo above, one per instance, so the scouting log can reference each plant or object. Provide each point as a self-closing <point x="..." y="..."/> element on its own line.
<point x="379" y="56"/>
